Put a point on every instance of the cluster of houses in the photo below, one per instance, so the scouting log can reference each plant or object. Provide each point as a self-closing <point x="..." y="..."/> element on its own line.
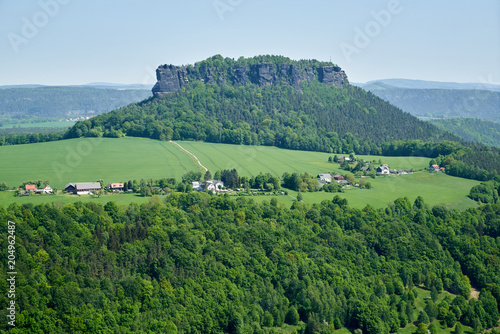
<point x="385" y="170"/>
<point x="88" y="188"/>
<point x="381" y="170"/>
<point x="328" y="178"/>
<point x="31" y="188"/>
<point x="436" y="168"/>
<point x="213" y="185"/>
<point x="81" y="188"/>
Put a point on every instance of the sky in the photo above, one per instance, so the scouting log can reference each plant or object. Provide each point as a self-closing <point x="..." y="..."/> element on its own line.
<point x="69" y="42"/>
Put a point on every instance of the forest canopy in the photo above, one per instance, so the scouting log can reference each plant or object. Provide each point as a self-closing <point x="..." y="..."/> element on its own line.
<point x="205" y="263"/>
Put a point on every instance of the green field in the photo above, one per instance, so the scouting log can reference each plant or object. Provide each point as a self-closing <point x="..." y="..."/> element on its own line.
<point x="250" y="160"/>
<point x="118" y="160"/>
<point x="90" y="159"/>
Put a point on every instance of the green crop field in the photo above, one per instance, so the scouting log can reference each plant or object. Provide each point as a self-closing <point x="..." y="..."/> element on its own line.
<point x="90" y="159"/>
<point x="250" y="160"/>
<point x="118" y="160"/>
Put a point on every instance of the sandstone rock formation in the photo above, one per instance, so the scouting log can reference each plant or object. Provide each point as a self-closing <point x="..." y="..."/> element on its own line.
<point x="171" y="78"/>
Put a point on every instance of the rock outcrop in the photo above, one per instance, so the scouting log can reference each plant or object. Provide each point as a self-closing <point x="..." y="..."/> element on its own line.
<point x="171" y="78"/>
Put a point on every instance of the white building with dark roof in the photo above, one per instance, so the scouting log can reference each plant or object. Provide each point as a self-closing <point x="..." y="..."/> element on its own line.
<point x="82" y="188"/>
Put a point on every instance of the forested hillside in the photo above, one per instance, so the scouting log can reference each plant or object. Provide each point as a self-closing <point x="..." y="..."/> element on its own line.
<point x="317" y="117"/>
<point x="472" y="129"/>
<point x="441" y="103"/>
<point x="201" y="263"/>
<point x="58" y="102"/>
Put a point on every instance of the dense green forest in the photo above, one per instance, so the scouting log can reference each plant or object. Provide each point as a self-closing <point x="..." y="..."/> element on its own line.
<point x="17" y="104"/>
<point x="471" y="129"/>
<point x="200" y="263"/>
<point x="441" y="103"/>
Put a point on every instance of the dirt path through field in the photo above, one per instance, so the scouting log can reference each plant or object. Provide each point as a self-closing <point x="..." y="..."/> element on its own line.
<point x="194" y="156"/>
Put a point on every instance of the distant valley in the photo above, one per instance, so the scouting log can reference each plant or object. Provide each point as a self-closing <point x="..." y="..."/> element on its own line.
<point x="36" y="108"/>
<point x="427" y="99"/>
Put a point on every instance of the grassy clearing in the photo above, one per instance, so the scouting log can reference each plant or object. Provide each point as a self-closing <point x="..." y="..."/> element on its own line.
<point x="435" y="188"/>
<point x="118" y="160"/>
<point x="251" y="160"/>
<point x="90" y="159"/>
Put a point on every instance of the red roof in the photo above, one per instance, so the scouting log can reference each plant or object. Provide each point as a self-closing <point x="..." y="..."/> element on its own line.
<point x="115" y="185"/>
<point x="30" y="187"/>
<point x="435" y="166"/>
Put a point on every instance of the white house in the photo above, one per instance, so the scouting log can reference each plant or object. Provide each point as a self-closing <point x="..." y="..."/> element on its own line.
<point x="383" y="170"/>
<point x="47" y="189"/>
<point x="212" y="185"/>
<point x="325" y="177"/>
<point x="83" y="188"/>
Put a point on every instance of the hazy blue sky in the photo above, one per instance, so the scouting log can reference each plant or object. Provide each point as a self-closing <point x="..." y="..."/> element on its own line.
<point x="75" y="42"/>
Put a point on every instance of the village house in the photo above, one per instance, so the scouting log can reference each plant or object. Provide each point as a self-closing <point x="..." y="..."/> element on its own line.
<point x="213" y="185"/>
<point x="82" y="188"/>
<point x="327" y="178"/>
<point x="434" y="168"/>
<point x="45" y="190"/>
<point x="30" y="187"/>
<point x="383" y="170"/>
<point x="115" y="187"/>
<point x="338" y="177"/>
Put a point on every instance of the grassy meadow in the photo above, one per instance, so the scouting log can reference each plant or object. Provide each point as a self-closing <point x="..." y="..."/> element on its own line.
<point x="118" y="160"/>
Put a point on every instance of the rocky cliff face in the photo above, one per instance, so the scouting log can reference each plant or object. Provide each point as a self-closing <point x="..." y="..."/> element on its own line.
<point x="171" y="78"/>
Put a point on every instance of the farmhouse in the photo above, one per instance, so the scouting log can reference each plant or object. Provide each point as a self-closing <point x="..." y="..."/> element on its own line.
<point x="434" y="168"/>
<point x="325" y="178"/>
<point x="383" y="170"/>
<point x="207" y="185"/>
<point x="45" y="190"/>
<point x="30" y="187"/>
<point x="118" y="187"/>
<point x="212" y="185"/>
<point x="338" y="177"/>
<point x="83" y="188"/>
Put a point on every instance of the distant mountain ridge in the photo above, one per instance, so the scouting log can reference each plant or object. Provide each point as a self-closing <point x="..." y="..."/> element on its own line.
<point x="104" y="85"/>
<point x="64" y="101"/>
<point x="423" y="84"/>
<point x="439" y="103"/>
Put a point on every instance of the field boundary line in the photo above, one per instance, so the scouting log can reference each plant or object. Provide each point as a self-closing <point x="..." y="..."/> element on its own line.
<point x="194" y="156"/>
